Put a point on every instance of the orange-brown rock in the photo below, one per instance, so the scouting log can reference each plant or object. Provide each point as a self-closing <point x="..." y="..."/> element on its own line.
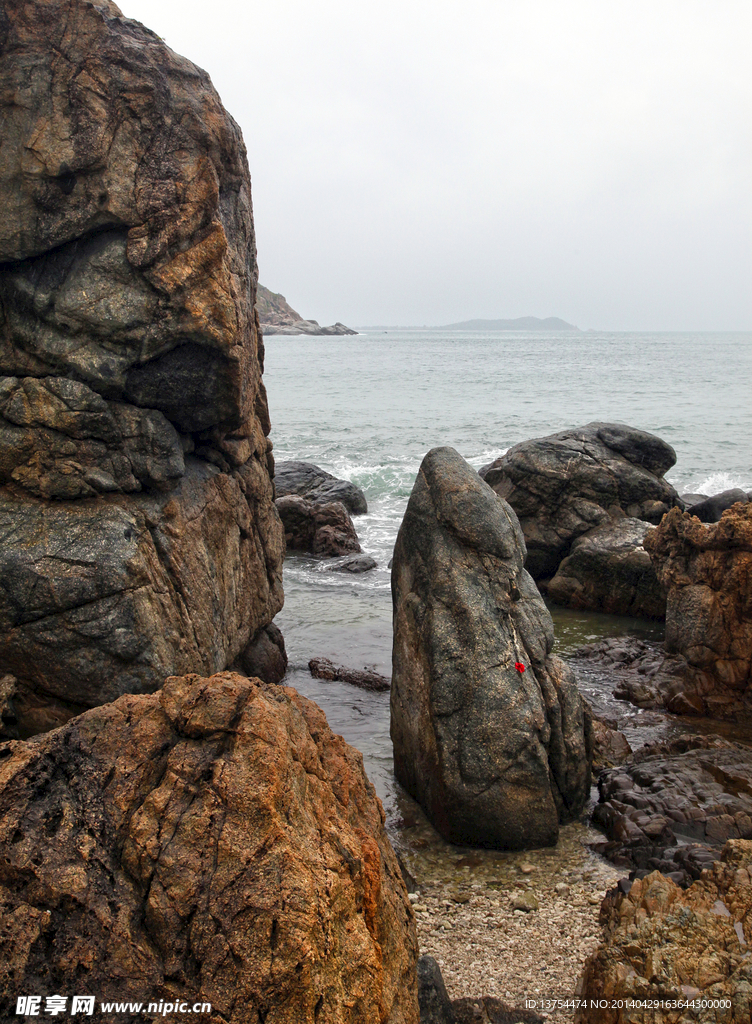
<point x="138" y="534"/>
<point x="663" y="943"/>
<point x="211" y="842"/>
<point x="707" y="572"/>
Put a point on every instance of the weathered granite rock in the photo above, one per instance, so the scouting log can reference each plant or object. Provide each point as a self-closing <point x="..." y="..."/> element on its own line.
<point x="315" y="484"/>
<point x="325" y="531"/>
<point x="99" y="598"/>
<point x="609" y="570"/>
<point x="489" y="1010"/>
<point x="8" y="713"/>
<point x="265" y="656"/>
<point x="127" y="340"/>
<point x="707" y="571"/>
<point x="435" y="1007"/>
<point x="666" y="944"/>
<point x="610" y="746"/>
<point x="710" y="510"/>
<point x="563" y="485"/>
<point x="673" y="805"/>
<point x="489" y="731"/>
<point x="212" y="842"/>
<point x="353" y="564"/>
<point x="366" y="679"/>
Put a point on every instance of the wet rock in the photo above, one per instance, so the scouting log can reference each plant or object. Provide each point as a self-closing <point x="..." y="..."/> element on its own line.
<point x="707" y="572"/>
<point x="610" y="747"/>
<point x="128" y="341"/>
<point x="665" y="943"/>
<point x="710" y="510"/>
<point x="608" y="570"/>
<point x="315" y="484"/>
<point x="564" y="485"/>
<point x="325" y="531"/>
<point x="490" y="734"/>
<point x="211" y="842"/>
<point x="673" y="805"/>
<point x="265" y="656"/>
<point x="322" y="668"/>
<point x="435" y="1007"/>
<point x="690" y="499"/>
<point x="526" y="901"/>
<point x="355" y="564"/>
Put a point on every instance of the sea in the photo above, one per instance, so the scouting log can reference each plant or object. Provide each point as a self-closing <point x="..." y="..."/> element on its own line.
<point x="368" y="407"/>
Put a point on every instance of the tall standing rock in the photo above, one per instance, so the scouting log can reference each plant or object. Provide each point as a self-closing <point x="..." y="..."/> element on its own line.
<point x="490" y="733"/>
<point x="138" y="535"/>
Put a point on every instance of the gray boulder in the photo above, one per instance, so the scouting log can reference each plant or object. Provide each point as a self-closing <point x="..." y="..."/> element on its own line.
<point x="433" y="1000"/>
<point x="609" y="570"/>
<point x="315" y="484"/>
<point x="563" y="485"/>
<point x="489" y="731"/>
<point x="709" y="510"/>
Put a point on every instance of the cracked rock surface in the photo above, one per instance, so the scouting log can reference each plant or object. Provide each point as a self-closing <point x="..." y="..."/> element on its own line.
<point x="489" y="731"/>
<point x="211" y="842"/>
<point x="138" y="534"/>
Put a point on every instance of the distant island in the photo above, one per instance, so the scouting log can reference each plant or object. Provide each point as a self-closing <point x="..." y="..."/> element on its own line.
<point x="522" y="323"/>
<point x="276" y="316"/>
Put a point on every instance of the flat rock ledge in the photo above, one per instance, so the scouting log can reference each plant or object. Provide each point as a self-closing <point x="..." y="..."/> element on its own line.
<point x="212" y="842"/>
<point x="489" y="731"/>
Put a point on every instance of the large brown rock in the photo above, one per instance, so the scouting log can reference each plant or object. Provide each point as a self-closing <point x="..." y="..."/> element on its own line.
<point x="707" y="572"/>
<point x="323" y="529"/>
<point x="128" y="341"/>
<point x="664" y="945"/>
<point x="566" y="484"/>
<point x="214" y="842"/>
<point x="489" y="731"/>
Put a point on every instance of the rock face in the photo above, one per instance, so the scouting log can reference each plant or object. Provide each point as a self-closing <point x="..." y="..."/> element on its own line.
<point x="278" y="317"/>
<point x="139" y="535"/>
<point x="566" y="484"/>
<point x="212" y="842"/>
<point x="489" y="731"/>
<point x="664" y="943"/>
<point x="609" y="570"/>
<point x="707" y="572"/>
<point x="710" y="510"/>
<point x="315" y="484"/>
<point x="325" y="531"/>
<point x="673" y="805"/>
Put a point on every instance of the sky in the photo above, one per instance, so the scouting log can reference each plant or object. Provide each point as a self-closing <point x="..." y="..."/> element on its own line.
<point x="430" y="162"/>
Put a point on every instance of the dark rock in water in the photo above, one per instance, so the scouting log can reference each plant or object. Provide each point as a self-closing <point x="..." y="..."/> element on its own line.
<point x="707" y="572"/>
<point x="213" y="842"/>
<point x="710" y="509"/>
<point x="488" y="1010"/>
<point x="563" y="485"/>
<point x="489" y="731"/>
<point x="355" y="564"/>
<point x="308" y="481"/>
<point x="322" y="668"/>
<point x="665" y="945"/>
<point x="435" y="1007"/>
<point x="609" y="570"/>
<point x="265" y="656"/>
<point x="325" y="531"/>
<point x="692" y="499"/>
<point x="673" y="805"/>
<point x="128" y="341"/>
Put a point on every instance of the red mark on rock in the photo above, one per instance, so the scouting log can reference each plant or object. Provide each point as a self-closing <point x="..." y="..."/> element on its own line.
<point x="519" y="666"/>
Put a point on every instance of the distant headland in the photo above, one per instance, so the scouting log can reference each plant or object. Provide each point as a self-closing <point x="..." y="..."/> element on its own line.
<point x="522" y="323"/>
<point x="276" y="316"/>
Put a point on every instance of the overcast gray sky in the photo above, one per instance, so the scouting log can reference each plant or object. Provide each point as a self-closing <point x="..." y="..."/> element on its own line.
<point x="422" y="162"/>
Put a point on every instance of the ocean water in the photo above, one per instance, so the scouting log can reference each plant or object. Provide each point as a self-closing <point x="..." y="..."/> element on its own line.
<point x="368" y="408"/>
